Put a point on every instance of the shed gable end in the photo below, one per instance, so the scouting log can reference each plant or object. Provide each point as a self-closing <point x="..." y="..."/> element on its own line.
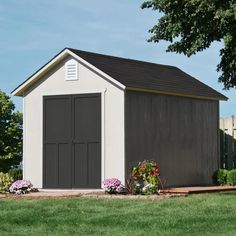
<point x="20" y="90"/>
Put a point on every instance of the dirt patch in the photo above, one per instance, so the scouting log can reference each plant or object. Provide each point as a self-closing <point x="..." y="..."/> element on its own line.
<point x="2" y="195"/>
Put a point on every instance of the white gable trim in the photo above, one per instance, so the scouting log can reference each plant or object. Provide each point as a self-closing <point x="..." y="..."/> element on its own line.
<point x="20" y="90"/>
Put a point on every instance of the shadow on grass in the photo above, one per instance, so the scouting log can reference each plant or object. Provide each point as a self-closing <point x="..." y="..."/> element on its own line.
<point x="229" y="193"/>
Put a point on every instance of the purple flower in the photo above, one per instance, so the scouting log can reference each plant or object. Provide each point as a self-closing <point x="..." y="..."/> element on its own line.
<point x="21" y="186"/>
<point x="113" y="185"/>
<point x="120" y="189"/>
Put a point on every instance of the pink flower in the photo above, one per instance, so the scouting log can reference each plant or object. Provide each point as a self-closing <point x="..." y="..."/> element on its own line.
<point x="21" y="186"/>
<point x="112" y="185"/>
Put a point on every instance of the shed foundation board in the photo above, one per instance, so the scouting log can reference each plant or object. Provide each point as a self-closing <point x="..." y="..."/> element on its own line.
<point x="199" y="189"/>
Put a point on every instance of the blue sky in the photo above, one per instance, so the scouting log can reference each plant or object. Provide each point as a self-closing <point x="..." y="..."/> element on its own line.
<point x="34" y="31"/>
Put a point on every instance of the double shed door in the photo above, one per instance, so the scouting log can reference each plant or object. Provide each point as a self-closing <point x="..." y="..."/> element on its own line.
<point x="72" y="141"/>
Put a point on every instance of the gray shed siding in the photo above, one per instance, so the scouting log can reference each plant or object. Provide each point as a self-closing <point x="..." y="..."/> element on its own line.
<point x="180" y="133"/>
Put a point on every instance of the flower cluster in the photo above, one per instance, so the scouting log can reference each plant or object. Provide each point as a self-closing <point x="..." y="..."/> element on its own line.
<point x="113" y="185"/>
<point x="21" y="186"/>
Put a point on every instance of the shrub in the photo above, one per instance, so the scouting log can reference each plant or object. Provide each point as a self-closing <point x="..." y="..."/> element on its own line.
<point x="22" y="187"/>
<point x="231" y="177"/>
<point x="5" y="182"/>
<point x="145" y="176"/>
<point x="220" y="177"/>
<point x="15" y="173"/>
<point x="113" y="185"/>
<point x="136" y="187"/>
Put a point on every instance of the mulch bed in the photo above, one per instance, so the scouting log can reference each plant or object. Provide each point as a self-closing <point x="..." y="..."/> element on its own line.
<point x="165" y="193"/>
<point x="130" y="196"/>
<point x="94" y="195"/>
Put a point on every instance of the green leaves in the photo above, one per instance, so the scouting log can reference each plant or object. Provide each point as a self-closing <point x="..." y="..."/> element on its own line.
<point x="10" y="134"/>
<point x="192" y="25"/>
<point x="5" y="182"/>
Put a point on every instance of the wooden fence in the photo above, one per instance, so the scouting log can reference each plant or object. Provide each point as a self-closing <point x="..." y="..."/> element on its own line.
<point x="228" y="143"/>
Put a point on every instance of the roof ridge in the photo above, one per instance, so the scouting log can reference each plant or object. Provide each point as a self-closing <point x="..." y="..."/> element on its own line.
<point x="123" y="58"/>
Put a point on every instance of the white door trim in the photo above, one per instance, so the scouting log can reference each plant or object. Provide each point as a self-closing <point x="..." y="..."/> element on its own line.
<point x="102" y="92"/>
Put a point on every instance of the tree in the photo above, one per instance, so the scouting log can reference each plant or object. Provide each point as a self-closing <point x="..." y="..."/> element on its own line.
<point x="10" y="134"/>
<point x="192" y="25"/>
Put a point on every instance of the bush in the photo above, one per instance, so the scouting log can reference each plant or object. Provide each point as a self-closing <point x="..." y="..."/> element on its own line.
<point x="15" y="173"/>
<point x="220" y="177"/>
<point x="113" y="185"/>
<point x="22" y="187"/>
<point x="145" y="178"/>
<point x="5" y="182"/>
<point x="231" y="177"/>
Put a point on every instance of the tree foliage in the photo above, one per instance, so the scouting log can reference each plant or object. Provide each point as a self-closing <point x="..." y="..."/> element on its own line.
<point x="192" y="25"/>
<point x="10" y="134"/>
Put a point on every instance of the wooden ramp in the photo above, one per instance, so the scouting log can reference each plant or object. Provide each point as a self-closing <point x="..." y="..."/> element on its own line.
<point x="191" y="190"/>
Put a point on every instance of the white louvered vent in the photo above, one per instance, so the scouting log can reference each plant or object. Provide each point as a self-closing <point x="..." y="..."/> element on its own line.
<point x="71" y="70"/>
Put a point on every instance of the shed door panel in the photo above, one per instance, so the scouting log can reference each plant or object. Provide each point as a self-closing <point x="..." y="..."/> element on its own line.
<point x="94" y="171"/>
<point x="87" y="140"/>
<point x="57" y="115"/>
<point x="72" y="141"/>
<point x="57" y="142"/>
<point x="80" y="165"/>
<point x="87" y="113"/>
<point x="50" y="165"/>
<point x="64" y="165"/>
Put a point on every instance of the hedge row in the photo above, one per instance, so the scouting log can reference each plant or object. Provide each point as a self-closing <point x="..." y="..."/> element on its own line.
<point x="225" y="177"/>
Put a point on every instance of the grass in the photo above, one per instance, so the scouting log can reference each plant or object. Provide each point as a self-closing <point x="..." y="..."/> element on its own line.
<point x="206" y="214"/>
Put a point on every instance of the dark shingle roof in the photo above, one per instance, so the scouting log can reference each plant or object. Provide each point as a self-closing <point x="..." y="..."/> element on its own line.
<point x="149" y="76"/>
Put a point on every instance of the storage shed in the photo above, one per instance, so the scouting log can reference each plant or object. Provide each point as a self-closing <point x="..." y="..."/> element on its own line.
<point x="89" y="116"/>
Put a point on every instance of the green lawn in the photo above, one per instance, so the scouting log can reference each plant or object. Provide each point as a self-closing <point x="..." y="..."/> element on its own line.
<point x="207" y="214"/>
